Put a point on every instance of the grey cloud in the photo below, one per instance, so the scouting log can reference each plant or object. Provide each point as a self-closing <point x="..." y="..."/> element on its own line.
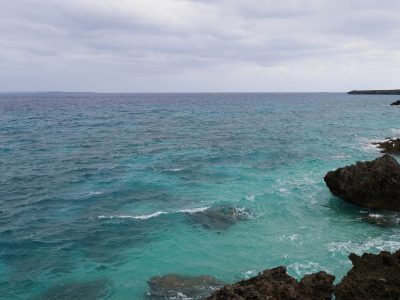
<point x="194" y="45"/>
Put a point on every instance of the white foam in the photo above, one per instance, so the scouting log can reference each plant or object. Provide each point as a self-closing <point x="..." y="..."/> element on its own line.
<point x="291" y="237"/>
<point x="395" y="132"/>
<point x="95" y="193"/>
<point x="177" y="169"/>
<point x="251" y="198"/>
<point x="376" y="216"/>
<point x="194" y="210"/>
<point x="249" y="274"/>
<point x="140" y="217"/>
<point x="341" y="156"/>
<point x="369" y="145"/>
<point x="306" y="268"/>
<point x="376" y="244"/>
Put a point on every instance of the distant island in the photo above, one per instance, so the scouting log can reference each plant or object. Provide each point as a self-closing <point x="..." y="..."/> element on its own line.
<point x="375" y="92"/>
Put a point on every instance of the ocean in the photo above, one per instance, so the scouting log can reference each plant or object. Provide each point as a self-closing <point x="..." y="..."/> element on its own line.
<point x="101" y="192"/>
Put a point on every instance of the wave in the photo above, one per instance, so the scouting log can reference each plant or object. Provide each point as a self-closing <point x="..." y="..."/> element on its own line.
<point x="377" y="244"/>
<point x="140" y="217"/>
<point x="370" y="145"/>
<point x="153" y="215"/>
<point x="395" y="132"/>
<point x="194" y="210"/>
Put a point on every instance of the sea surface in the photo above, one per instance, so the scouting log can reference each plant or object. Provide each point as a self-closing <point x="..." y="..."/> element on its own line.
<point x="101" y="192"/>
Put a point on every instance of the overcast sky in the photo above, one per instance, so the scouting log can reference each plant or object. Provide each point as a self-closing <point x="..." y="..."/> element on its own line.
<point x="199" y="45"/>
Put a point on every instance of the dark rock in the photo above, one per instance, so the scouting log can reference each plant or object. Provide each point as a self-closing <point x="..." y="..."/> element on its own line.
<point x="96" y="289"/>
<point x="375" y="92"/>
<point x="373" y="276"/>
<point x="174" y="286"/>
<point x="380" y="220"/>
<point x="372" y="184"/>
<point x="396" y="102"/>
<point x="276" y="284"/>
<point x="391" y="146"/>
<point x="220" y="217"/>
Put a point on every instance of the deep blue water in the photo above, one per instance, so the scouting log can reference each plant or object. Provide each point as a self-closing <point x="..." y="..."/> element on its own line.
<point x="104" y="191"/>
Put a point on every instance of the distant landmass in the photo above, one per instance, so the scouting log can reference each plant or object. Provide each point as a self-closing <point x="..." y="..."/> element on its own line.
<point x="375" y="92"/>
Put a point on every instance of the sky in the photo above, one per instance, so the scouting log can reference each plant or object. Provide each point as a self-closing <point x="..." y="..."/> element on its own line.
<point x="199" y="45"/>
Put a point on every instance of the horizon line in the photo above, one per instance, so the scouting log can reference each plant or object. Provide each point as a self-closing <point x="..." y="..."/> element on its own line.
<point x="174" y="92"/>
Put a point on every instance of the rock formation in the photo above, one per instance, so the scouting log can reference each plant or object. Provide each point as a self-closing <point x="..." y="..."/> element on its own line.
<point x="276" y="284"/>
<point x="372" y="184"/>
<point x="391" y="146"/>
<point x="220" y="217"/>
<point x="174" y="286"/>
<point x="372" y="277"/>
<point x="396" y="102"/>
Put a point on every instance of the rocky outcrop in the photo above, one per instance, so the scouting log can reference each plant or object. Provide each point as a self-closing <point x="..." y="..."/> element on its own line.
<point x="276" y="284"/>
<point x="219" y="217"/>
<point x="175" y="286"/>
<point x="372" y="277"/>
<point x="391" y="146"/>
<point x="375" y="92"/>
<point x="372" y="184"/>
<point x="396" y="102"/>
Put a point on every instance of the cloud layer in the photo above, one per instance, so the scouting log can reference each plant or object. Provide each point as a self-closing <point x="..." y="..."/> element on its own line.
<point x="199" y="45"/>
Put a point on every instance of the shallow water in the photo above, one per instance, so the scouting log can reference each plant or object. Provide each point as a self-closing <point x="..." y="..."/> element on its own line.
<point x="98" y="191"/>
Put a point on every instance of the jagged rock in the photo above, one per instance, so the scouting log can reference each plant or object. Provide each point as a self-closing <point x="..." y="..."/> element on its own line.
<point x="391" y="146"/>
<point x="396" y="102"/>
<point x="220" y="217"/>
<point x="372" y="184"/>
<point x="174" y="286"/>
<point x="276" y="284"/>
<point x="373" y="276"/>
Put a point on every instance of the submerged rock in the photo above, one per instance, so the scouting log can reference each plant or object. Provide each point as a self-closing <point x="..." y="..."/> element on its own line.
<point x="373" y="276"/>
<point x="174" y="286"/>
<point x="382" y="220"/>
<point x="276" y="284"/>
<point x="372" y="184"/>
<point x="391" y="146"/>
<point x="96" y="289"/>
<point x="396" y="102"/>
<point x="220" y="217"/>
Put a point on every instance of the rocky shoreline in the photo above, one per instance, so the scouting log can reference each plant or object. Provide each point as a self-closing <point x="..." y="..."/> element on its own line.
<point x="373" y="276"/>
<point x="390" y="146"/>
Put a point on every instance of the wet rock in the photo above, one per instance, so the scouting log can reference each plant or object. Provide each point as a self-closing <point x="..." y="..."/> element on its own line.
<point x="373" y="276"/>
<point x="96" y="289"/>
<point x="396" y="102"/>
<point x="220" y="217"/>
<point x="276" y="284"/>
<point x="391" y="146"/>
<point x="381" y="220"/>
<point x="174" y="286"/>
<point x="372" y="184"/>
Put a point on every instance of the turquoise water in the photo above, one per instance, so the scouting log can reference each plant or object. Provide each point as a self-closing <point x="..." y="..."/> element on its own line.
<point x="103" y="187"/>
